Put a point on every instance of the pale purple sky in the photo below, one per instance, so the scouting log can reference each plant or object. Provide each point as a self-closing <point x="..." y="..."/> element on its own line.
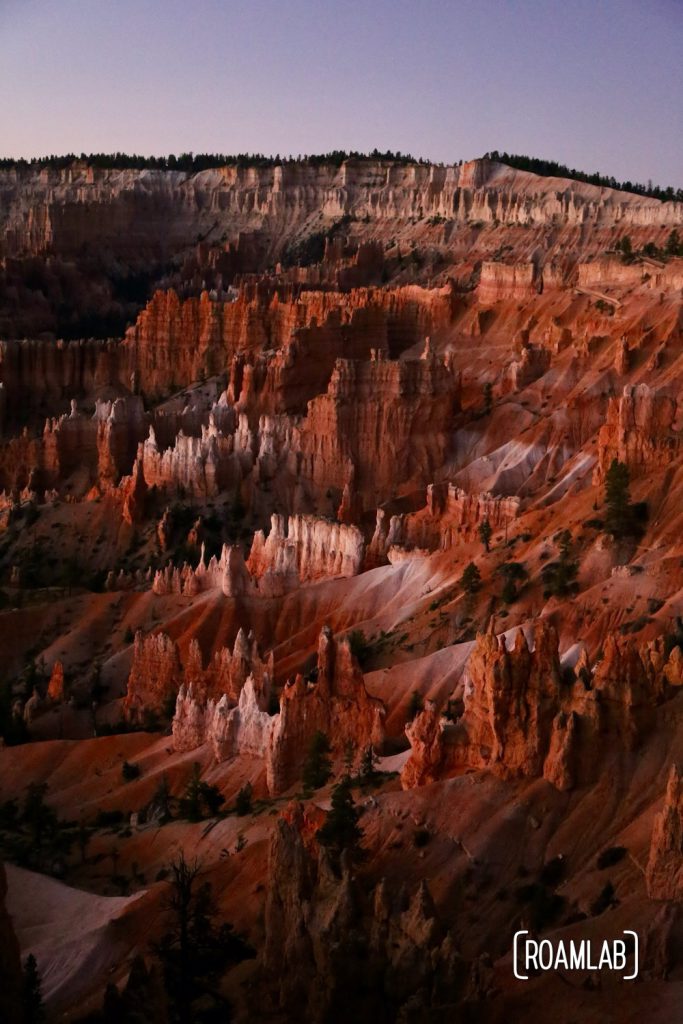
<point x="596" y="84"/>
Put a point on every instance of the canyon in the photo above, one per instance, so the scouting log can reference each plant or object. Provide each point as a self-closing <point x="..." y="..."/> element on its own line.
<point x="340" y="555"/>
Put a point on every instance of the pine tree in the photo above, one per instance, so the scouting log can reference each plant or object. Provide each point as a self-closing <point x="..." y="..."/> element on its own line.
<point x="470" y="581"/>
<point x="194" y="951"/>
<point x="416" y="705"/>
<point x="161" y="801"/>
<point x="513" y="573"/>
<point x="674" y="246"/>
<point x="190" y="802"/>
<point x="559" y="577"/>
<point x="341" y="831"/>
<point x="200" y="798"/>
<point x="349" y="757"/>
<point x="368" y="764"/>
<point x="34" y="1010"/>
<point x="243" y="803"/>
<point x="620" y="518"/>
<point x="39" y="818"/>
<point x="317" y="768"/>
<point x="485" y="534"/>
<point x="488" y="398"/>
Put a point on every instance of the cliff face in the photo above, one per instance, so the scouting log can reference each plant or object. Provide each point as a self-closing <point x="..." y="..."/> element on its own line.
<point x="129" y="210"/>
<point x="506" y="281"/>
<point x="174" y="342"/>
<point x="99" y="448"/>
<point x="379" y="421"/>
<point x="38" y="377"/>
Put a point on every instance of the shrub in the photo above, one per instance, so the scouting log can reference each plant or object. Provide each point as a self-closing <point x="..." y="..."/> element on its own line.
<point x="421" y="837"/>
<point x="415" y="706"/>
<point x="513" y="573"/>
<point x="243" y="804"/>
<point x="340" y="831"/>
<point x="603" y="901"/>
<point x="470" y="581"/>
<point x="608" y="858"/>
<point x="361" y="648"/>
<point x="108" y="819"/>
<point x="130" y="770"/>
<point x="553" y="871"/>
<point x="544" y="907"/>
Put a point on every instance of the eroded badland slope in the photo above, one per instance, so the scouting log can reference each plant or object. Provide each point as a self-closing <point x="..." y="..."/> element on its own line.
<point x="258" y="429"/>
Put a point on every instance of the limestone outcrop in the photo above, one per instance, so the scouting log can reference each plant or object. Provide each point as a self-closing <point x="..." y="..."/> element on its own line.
<point x="521" y="716"/>
<point x="56" y="691"/>
<point x="206" y="695"/>
<point x="306" y="549"/>
<point x="451" y="515"/>
<point x="155" y="676"/>
<point x="337" y="704"/>
<point x="506" y="281"/>
<point x="242" y="720"/>
<point x="379" y="421"/>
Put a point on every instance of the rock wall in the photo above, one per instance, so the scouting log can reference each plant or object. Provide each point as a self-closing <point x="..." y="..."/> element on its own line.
<point x="379" y="422"/>
<point x="175" y="342"/>
<point x="506" y="281"/>
<point x="99" y="448"/>
<point x="148" y="211"/>
<point x="39" y="375"/>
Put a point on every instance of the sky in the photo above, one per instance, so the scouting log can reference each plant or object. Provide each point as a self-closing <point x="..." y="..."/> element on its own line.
<point x="595" y="84"/>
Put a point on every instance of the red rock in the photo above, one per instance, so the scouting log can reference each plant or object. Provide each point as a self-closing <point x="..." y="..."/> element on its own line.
<point x="155" y="676"/>
<point x="55" y="689"/>
<point x="638" y="431"/>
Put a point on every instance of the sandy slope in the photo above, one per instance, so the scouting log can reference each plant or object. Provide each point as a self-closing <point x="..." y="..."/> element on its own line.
<point x="78" y="939"/>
